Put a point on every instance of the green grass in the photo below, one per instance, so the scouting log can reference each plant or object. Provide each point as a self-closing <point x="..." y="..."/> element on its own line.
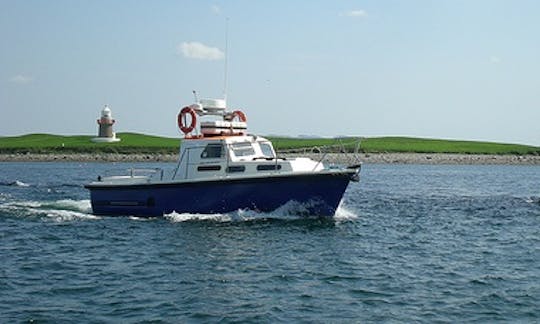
<point x="420" y="145"/>
<point x="46" y="143"/>
<point x="139" y="143"/>
<point x="408" y="144"/>
<point x="297" y="144"/>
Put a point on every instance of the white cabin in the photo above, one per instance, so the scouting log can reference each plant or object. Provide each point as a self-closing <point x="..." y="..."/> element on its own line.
<point x="235" y="156"/>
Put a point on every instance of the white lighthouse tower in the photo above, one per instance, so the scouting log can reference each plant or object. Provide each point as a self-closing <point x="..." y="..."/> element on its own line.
<point x="106" y="134"/>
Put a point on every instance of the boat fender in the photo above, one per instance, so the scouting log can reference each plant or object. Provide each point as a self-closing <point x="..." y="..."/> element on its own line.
<point x="182" y="119"/>
<point x="241" y="116"/>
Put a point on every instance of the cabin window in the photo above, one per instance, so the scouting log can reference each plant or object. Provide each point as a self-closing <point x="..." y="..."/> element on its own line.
<point x="243" y="149"/>
<point x="267" y="150"/>
<point x="209" y="168"/>
<point x="212" y="151"/>
<point x="268" y="167"/>
<point x="236" y="168"/>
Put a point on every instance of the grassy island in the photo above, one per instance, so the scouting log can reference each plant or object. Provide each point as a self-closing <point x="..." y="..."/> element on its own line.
<point x="133" y="143"/>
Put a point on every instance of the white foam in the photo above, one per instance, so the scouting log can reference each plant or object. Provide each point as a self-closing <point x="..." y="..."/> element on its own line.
<point x="292" y="210"/>
<point x="76" y="205"/>
<point x="141" y="219"/>
<point x="344" y="214"/>
<point x="59" y="215"/>
<point x="532" y="200"/>
<point x="18" y="183"/>
<point x="184" y="217"/>
<point x="24" y="204"/>
<point x="60" y="210"/>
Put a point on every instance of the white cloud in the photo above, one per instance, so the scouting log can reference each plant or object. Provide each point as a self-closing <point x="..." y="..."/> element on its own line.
<point x="495" y="59"/>
<point x="21" y="79"/>
<point x="199" y="51"/>
<point x="355" y="13"/>
<point x="216" y="9"/>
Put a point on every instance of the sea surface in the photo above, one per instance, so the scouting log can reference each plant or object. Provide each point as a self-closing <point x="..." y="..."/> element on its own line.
<point x="410" y="243"/>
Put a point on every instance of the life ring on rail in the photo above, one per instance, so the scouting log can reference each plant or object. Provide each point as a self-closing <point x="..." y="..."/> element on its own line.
<point x="182" y="118"/>
<point x="241" y="116"/>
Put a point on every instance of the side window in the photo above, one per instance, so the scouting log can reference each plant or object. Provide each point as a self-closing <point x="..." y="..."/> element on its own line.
<point x="236" y="168"/>
<point x="268" y="167"/>
<point x="212" y="151"/>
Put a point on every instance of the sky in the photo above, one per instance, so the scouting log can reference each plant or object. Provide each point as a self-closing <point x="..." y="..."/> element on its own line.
<point x="455" y="69"/>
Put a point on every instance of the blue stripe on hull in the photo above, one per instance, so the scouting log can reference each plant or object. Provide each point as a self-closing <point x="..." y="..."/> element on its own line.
<point x="320" y="195"/>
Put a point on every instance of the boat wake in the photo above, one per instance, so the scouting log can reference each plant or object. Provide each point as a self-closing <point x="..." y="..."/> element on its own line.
<point x="290" y="211"/>
<point x="60" y="210"/>
<point x="66" y="210"/>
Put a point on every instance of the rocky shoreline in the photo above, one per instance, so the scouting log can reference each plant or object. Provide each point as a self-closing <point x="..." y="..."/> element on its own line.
<point x="368" y="158"/>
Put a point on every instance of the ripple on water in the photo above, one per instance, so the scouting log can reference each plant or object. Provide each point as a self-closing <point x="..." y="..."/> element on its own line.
<point x="409" y="244"/>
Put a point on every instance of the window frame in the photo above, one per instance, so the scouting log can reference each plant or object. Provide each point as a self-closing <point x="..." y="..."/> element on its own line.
<point x="212" y="148"/>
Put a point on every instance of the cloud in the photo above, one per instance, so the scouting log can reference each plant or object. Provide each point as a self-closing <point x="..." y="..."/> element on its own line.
<point x="215" y="9"/>
<point x="21" y="79"/>
<point x="355" y="13"/>
<point x="199" y="51"/>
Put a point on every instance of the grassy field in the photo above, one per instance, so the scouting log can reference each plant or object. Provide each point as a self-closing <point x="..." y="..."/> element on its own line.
<point x="139" y="143"/>
<point x="410" y="145"/>
<point x="46" y="143"/>
<point x="419" y="145"/>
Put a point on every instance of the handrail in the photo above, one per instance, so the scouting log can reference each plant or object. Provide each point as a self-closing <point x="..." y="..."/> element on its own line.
<point x="322" y="152"/>
<point x="340" y="146"/>
<point x="320" y="161"/>
<point x="132" y="171"/>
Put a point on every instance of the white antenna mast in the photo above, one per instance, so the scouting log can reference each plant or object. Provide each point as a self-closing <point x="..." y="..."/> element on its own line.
<point x="226" y="58"/>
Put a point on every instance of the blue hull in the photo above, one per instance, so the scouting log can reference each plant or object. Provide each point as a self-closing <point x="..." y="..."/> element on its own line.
<point x="320" y="195"/>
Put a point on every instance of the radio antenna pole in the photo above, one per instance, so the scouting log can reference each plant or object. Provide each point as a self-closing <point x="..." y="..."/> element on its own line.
<point x="226" y="58"/>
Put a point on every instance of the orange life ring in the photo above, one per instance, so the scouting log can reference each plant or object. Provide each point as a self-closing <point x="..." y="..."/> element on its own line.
<point x="181" y="118"/>
<point x="241" y="116"/>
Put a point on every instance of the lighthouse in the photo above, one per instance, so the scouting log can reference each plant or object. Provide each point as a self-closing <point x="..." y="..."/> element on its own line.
<point x="106" y="123"/>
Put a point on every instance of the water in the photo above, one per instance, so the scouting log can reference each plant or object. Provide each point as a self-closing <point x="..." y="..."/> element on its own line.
<point x="409" y="244"/>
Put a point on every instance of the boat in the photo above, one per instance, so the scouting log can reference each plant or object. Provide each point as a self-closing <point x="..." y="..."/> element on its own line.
<point x="221" y="168"/>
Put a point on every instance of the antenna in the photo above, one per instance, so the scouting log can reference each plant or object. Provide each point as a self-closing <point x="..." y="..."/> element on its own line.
<point x="226" y="58"/>
<point x="195" y="95"/>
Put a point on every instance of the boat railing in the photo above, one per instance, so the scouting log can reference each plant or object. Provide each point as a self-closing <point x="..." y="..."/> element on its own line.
<point x="132" y="173"/>
<point x="343" y="152"/>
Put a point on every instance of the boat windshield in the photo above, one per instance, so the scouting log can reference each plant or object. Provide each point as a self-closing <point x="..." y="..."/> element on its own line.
<point x="242" y="149"/>
<point x="266" y="149"/>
